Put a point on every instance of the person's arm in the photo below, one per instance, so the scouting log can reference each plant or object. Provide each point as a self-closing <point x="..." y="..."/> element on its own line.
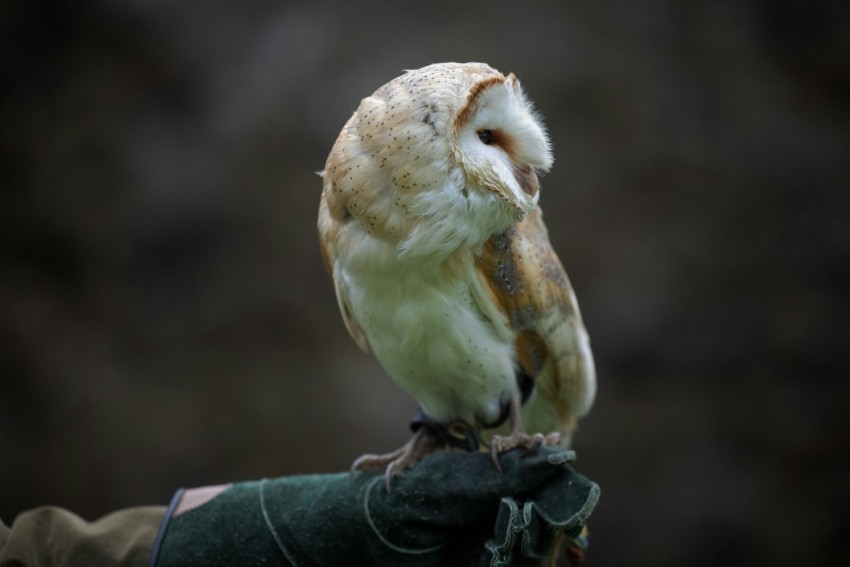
<point x="450" y="509"/>
<point x="56" y="537"/>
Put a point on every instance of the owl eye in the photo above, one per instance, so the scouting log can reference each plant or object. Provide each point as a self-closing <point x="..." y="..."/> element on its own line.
<point x="486" y="136"/>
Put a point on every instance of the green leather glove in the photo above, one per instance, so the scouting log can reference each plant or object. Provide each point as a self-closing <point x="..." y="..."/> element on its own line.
<point x="450" y="509"/>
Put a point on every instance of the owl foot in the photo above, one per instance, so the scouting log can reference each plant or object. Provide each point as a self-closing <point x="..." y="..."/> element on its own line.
<point x="392" y="464"/>
<point x="520" y="440"/>
<point x="458" y="434"/>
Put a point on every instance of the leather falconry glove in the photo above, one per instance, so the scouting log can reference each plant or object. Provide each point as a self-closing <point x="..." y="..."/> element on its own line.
<point x="450" y="509"/>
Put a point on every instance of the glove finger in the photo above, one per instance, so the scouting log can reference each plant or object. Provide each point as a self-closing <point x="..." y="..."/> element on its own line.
<point x="528" y="529"/>
<point x="474" y="476"/>
<point x="454" y="489"/>
<point x="562" y="505"/>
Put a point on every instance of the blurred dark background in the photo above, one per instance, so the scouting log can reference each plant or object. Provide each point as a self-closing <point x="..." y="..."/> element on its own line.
<point x="165" y="319"/>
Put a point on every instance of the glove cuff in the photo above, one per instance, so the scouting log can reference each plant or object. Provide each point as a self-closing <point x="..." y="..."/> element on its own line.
<point x="230" y="529"/>
<point x="163" y="527"/>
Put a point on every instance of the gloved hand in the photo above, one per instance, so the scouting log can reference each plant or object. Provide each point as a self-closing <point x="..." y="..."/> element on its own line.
<point x="450" y="509"/>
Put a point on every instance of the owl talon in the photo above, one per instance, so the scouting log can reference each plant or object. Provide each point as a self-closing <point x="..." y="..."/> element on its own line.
<point x="552" y="439"/>
<point x="388" y="476"/>
<point x="520" y="440"/>
<point x="375" y="463"/>
<point x="494" y="454"/>
<point x="396" y="462"/>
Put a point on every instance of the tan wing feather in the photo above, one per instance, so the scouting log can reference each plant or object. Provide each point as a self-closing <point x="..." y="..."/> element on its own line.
<point x="527" y="281"/>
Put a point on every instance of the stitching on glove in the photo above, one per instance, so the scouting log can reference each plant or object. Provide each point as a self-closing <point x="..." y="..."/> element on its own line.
<point x="501" y="552"/>
<point x="528" y="516"/>
<point x="580" y="517"/>
<point x="497" y="558"/>
<point x="405" y="550"/>
<point x="561" y="457"/>
<point x="270" y="525"/>
<point x="531" y="510"/>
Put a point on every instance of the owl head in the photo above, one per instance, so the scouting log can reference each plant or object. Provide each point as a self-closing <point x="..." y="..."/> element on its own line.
<point x="499" y="140"/>
<point x="440" y="157"/>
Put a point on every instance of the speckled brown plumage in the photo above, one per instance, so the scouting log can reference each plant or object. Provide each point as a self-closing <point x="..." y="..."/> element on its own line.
<point x="528" y="281"/>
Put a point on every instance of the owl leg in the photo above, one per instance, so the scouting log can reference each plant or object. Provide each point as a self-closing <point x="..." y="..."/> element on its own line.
<point x="423" y="443"/>
<point x="518" y="438"/>
<point x="457" y="435"/>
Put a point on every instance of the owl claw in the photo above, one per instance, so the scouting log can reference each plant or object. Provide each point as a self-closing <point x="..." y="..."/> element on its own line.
<point x="520" y="440"/>
<point x="396" y="462"/>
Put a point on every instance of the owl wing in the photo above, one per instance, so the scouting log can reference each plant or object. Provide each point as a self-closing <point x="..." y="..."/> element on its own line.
<point x="332" y="217"/>
<point x="525" y="279"/>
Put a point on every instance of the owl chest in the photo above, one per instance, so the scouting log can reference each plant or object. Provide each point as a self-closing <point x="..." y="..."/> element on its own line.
<point x="429" y="334"/>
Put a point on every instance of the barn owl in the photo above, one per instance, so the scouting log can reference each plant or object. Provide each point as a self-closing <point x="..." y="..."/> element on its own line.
<point x="430" y="228"/>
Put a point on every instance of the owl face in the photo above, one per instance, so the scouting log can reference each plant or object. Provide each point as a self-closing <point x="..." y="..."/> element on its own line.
<point x="500" y="143"/>
<point x="439" y="158"/>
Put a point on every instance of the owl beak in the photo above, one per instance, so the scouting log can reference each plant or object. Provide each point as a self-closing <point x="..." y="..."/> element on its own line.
<point x="527" y="180"/>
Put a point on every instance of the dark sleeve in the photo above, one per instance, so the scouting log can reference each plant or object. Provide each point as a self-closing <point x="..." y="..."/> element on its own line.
<point x="53" y="536"/>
